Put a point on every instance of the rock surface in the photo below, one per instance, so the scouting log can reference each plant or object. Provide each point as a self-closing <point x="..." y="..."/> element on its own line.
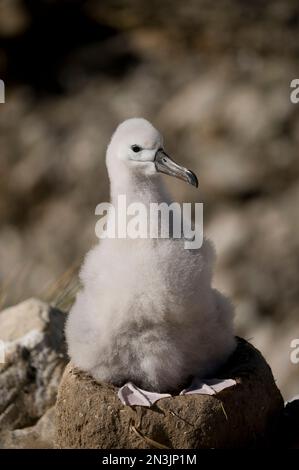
<point x="90" y="415"/>
<point x="31" y="336"/>
<point x="39" y="436"/>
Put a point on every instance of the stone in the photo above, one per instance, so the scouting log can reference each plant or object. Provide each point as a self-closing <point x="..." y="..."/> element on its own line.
<point x="39" y="436"/>
<point x="90" y="414"/>
<point x="32" y="340"/>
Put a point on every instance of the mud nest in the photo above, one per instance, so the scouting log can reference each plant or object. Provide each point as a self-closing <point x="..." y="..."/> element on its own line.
<point x="90" y="414"/>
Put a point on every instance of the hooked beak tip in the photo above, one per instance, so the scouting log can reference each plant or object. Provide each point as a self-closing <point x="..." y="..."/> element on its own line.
<point x="164" y="164"/>
<point x="192" y="178"/>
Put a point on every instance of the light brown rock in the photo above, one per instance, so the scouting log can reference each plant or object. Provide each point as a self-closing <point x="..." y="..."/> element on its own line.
<point x="90" y="415"/>
<point x="39" y="436"/>
<point x="31" y="335"/>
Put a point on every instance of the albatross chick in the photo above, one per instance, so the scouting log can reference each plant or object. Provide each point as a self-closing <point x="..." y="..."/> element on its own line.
<point x="147" y="312"/>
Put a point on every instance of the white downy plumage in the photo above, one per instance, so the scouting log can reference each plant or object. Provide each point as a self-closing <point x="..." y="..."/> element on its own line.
<point x="147" y="312"/>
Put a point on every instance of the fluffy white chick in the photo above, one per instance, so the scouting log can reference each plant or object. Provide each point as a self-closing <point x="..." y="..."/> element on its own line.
<point x="147" y="312"/>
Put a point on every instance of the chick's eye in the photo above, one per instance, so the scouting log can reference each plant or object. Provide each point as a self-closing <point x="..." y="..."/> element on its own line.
<point x="136" y="148"/>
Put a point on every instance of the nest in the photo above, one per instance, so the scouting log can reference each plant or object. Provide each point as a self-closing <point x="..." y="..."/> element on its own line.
<point x="90" y="415"/>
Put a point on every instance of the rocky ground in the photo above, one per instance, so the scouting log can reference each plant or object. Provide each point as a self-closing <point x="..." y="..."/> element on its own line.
<point x="216" y="84"/>
<point x="34" y="366"/>
<point x="32" y="341"/>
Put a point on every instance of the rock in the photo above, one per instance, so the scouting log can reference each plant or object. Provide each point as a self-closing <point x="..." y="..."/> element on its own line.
<point x="90" y="415"/>
<point x="40" y="436"/>
<point x="31" y="334"/>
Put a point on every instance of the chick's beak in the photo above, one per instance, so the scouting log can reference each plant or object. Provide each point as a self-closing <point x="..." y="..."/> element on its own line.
<point x="164" y="164"/>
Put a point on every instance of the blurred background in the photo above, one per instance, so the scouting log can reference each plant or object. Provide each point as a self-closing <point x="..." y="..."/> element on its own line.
<point x="214" y="77"/>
